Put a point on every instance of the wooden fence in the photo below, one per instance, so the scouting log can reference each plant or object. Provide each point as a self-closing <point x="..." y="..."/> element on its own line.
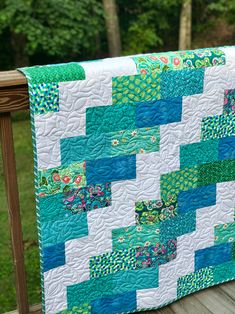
<point x="14" y="97"/>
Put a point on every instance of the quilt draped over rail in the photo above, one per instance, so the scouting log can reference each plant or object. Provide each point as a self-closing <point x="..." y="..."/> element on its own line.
<point x="135" y="178"/>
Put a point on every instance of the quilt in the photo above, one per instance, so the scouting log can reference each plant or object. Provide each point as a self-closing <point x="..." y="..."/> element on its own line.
<point x="134" y="178"/>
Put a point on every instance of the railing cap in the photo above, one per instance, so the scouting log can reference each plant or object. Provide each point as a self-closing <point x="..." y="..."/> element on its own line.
<point x="12" y="78"/>
<point x="13" y="91"/>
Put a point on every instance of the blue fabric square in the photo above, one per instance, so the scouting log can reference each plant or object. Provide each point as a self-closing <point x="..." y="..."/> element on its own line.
<point x="227" y="148"/>
<point x="53" y="256"/>
<point x="115" y="304"/>
<point x="158" y="112"/>
<point x="213" y="255"/>
<point x="111" y="169"/>
<point x="196" y="198"/>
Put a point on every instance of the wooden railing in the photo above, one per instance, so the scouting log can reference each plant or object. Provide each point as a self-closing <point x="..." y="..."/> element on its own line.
<point x="14" y="97"/>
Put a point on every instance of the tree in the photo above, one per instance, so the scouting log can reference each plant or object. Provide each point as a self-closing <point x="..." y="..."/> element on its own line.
<point x="57" y="27"/>
<point x="185" y="29"/>
<point x="18" y="43"/>
<point x="112" y="27"/>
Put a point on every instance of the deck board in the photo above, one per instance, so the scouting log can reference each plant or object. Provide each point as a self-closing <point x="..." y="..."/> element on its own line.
<point x="228" y="289"/>
<point x="189" y="305"/>
<point x="164" y="310"/>
<point x="216" y="300"/>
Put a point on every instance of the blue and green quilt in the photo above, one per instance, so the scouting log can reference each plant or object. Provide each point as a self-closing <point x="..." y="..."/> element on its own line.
<point x="135" y="178"/>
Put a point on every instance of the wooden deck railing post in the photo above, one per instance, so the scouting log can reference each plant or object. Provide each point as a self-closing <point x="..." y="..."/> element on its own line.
<point x="10" y="176"/>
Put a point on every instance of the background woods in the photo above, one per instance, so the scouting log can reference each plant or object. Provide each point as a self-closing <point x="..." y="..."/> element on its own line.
<point x="51" y="31"/>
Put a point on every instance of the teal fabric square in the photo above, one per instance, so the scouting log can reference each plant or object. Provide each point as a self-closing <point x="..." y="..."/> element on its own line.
<point x="181" y="83"/>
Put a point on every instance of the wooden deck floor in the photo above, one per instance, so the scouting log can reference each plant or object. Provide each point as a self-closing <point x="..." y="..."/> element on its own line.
<point x="216" y="300"/>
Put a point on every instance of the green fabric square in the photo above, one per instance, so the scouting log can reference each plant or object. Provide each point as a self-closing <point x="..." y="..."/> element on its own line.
<point x="135" y="88"/>
<point x="54" y="73"/>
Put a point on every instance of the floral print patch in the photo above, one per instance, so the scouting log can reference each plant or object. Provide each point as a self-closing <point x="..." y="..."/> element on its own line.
<point x="202" y="58"/>
<point x="137" y="141"/>
<point x="150" y="212"/>
<point x="224" y="233"/>
<point x="229" y="101"/>
<point x="87" y="198"/>
<point x="135" y="236"/>
<point x="61" y="179"/>
<point x="158" y="63"/>
<point x="178" y="60"/>
<point x="151" y="256"/>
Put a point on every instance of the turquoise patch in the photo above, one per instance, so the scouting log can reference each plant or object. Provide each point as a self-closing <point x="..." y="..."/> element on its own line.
<point x="51" y="207"/>
<point x="62" y="230"/>
<point x="105" y="119"/>
<point x="198" y="153"/>
<point x="178" y="226"/>
<point x="181" y="83"/>
<point x="224" y="272"/>
<point x="118" y="283"/>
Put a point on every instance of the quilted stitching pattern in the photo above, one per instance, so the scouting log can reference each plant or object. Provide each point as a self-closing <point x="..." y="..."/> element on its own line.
<point x="135" y="178"/>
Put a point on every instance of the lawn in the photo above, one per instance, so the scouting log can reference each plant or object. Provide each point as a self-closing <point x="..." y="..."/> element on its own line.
<point x="24" y="161"/>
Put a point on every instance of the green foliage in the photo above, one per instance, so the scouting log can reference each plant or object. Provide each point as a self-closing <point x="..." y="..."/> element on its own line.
<point x="146" y="25"/>
<point x="141" y="36"/>
<point x="225" y="8"/>
<point x="59" y="27"/>
<point x="67" y="30"/>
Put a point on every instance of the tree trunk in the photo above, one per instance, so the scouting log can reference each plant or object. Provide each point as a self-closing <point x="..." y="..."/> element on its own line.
<point x="112" y="26"/>
<point x="185" y="25"/>
<point x="18" y="43"/>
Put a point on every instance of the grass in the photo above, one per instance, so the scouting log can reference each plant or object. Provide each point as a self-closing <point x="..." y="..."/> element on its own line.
<point x="24" y="164"/>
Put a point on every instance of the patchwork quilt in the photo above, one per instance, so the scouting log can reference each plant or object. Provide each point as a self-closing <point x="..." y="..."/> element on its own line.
<point x="135" y="178"/>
